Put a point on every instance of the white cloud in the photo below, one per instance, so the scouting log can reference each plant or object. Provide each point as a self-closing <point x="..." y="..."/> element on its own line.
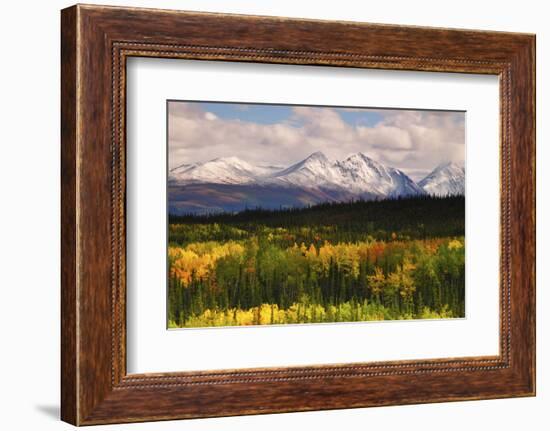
<point x="415" y="141"/>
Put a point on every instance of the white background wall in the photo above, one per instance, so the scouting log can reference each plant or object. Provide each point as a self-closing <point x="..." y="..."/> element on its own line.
<point x="29" y="215"/>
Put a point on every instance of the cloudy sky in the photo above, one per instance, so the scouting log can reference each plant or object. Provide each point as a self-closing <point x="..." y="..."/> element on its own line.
<point x="413" y="141"/>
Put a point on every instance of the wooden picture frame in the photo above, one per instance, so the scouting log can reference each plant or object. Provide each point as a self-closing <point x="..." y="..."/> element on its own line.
<point x="95" y="43"/>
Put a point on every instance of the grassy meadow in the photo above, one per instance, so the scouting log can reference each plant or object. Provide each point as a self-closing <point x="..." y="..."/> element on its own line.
<point x="335" y="262"/>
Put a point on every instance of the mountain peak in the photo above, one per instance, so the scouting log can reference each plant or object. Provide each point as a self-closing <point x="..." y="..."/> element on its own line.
<point x="358" y="175"/>
<point x="363" y="174"/>
<point x="316" y="169"/>
<point x="447" y="178"/>
<point x="221" y="170"/>
<point x="317" y="155"/>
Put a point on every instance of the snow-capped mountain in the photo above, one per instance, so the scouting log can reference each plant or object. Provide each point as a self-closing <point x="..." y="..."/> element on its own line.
<point x="446" y="179"/>
<point x="223" y="170"/>
<point x="314" y="171"/>
<point x="358" y="174"/>
<point x="364" y="175"/>
<point x="232" y="184"/>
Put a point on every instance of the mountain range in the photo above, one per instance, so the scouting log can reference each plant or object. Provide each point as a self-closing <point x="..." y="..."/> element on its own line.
<point x="232" y="184"/>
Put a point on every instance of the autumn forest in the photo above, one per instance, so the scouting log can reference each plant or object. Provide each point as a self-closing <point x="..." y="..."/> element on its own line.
<point x="334" y="262"/>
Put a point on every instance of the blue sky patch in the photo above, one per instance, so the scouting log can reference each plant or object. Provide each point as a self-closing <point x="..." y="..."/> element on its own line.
<point x="274" y="114"/>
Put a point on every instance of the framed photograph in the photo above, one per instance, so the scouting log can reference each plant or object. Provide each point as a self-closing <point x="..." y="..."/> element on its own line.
<point x="324" y="214"/>
<point x="266" y="229"/>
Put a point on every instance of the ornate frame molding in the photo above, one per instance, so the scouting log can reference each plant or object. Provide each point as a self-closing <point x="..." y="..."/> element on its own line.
<point x="96" y="41"/>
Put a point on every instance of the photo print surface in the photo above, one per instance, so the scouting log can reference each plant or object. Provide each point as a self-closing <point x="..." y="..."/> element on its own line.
<point x="289" y="214"/>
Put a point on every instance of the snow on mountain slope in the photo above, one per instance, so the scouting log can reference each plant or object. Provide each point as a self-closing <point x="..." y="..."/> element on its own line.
<point x="223" y="170"/>
<point x="314" y="171"/>
<point x="362" y="174"/>
<point x="446" y="179"/>
<point x="358" y="175"/>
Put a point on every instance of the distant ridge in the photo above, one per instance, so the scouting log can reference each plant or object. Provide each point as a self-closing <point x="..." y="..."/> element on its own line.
<point x="447" y="179"/>
<point x="230" y="184"/>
